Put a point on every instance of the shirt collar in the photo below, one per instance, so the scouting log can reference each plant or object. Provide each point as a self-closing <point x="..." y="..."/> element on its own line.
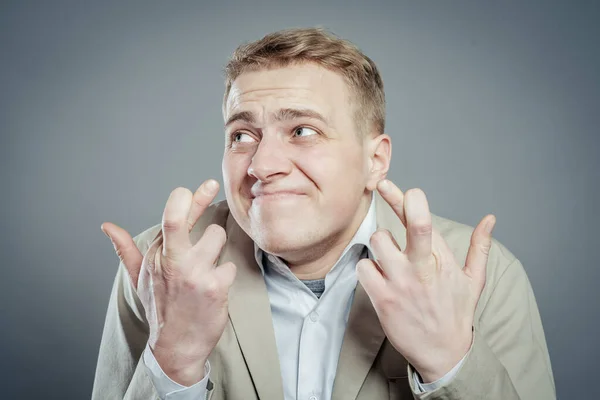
<point x="361" y="238"/>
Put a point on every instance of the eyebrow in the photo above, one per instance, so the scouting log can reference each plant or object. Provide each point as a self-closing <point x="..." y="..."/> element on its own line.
<point x="283" y="114"/>
<point x="245" y="116"/>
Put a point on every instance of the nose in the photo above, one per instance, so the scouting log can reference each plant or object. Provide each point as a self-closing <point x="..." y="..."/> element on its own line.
<point x="270" y="160"/>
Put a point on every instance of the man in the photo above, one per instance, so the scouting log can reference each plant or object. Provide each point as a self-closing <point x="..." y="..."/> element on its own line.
<point x="317" y="278"/>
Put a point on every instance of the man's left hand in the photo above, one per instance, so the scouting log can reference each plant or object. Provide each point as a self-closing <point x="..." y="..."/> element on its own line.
<point x="424" y="300"/>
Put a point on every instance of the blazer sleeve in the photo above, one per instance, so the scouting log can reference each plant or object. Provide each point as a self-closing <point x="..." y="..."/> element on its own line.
<point x="120" y="371"/>
<point x="509" y="357"/>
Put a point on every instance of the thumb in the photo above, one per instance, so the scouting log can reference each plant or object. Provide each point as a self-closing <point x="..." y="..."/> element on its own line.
<point x="126" y="249"/>
<point x="479" y="250"/>
<point x="370" y="277"/>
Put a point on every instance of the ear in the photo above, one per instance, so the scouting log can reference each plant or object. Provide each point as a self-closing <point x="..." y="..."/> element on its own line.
<point x="379" y="150"/>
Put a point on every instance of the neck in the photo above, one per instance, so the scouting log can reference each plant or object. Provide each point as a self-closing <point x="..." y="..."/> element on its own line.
<point x="320" y="259"/>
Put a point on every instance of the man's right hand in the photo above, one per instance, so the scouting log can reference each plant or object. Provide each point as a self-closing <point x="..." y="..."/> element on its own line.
<point x="183" y="292"/>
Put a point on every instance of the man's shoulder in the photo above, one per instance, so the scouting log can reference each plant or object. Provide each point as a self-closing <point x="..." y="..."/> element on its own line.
<point x="217" y="213"/>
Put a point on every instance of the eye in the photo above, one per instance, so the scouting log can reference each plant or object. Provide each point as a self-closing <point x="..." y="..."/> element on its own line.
<point x="304" y="131"/>
<point x="241" y="137"/>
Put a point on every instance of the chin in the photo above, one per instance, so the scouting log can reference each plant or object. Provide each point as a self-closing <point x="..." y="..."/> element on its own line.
<point x="280" y="238"/>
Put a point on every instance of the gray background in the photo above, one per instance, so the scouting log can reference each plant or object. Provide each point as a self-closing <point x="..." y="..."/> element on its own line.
<point x="107" y="107"/>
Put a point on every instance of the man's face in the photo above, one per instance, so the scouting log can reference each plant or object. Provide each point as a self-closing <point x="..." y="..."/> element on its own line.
<point x="295" y="169"/>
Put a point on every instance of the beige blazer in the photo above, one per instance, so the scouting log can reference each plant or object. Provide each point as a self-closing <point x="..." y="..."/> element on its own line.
<point x="508" y="360"/>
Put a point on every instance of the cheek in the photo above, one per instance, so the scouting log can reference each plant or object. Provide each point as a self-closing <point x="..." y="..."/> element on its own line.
<point x="331" y="169"/>
<point x="235" y="167"/>
<point x="234" y="171"/>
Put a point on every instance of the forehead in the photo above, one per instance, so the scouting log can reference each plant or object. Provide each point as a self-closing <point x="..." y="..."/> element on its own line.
<point x="305" y="86"/>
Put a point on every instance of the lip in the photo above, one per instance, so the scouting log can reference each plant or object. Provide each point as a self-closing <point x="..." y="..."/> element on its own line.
<point x="265" y="191"/>
<point x="273" y="195"/>
<point x="278" y="194"/>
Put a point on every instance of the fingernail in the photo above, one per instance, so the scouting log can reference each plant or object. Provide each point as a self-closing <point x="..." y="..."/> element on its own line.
<point x="489" y="226"/>
<point x="210" y="186"/>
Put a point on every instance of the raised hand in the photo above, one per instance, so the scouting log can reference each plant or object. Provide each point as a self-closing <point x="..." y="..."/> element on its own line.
<point x="183" y="291"/>
<point x="424" y="300"/>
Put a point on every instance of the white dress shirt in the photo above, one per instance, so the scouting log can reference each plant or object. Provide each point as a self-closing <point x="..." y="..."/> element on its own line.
<point x="308" y="330"/>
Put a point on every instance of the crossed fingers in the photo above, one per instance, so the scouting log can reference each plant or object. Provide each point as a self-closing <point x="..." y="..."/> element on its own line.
<point x="181" y="214"/>
<point x="182" y="211"/>
<point x="422" y="241"/>
<point x="426" y="251"/>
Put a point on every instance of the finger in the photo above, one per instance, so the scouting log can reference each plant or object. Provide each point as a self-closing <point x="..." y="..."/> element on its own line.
<point x="393" y="196"/>
<point x="370" y="277"/>
<point x="208" y="248"/>
<point x="226" y="273"/>
<point x="479" y="250"/>
<point x="204" y="195"/>
<point x="176" y="237"/>
<point x="126" y="249"/>
<point x="419" y="228"/>
<point x="393" y="239"/>
<point x="386" y="250"/>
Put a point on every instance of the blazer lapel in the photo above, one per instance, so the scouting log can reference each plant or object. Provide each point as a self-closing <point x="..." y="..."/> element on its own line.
<point x="362" y="340"/>
<point x="364" y="336"/>
<point x="250" y="314"/>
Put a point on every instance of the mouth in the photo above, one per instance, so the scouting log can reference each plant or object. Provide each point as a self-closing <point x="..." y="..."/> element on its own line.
<point x="276" y="196"/>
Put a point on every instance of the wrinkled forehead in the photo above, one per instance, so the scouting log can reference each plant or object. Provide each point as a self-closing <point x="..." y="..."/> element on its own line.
<point x="304" y="86"/>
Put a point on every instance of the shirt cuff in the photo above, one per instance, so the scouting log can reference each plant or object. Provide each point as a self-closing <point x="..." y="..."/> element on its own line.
<point x="167" y="388"/>
<point x="421" y="387"/>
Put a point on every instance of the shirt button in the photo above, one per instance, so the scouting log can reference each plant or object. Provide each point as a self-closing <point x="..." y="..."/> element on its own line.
<point x="314" y="317"/>
<point x="313" y="398"/>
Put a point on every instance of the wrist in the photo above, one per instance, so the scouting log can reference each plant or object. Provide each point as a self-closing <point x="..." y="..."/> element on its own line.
<point x="443" y="365"/>
<point x="183" y="370"/>
<point x="430" y="375"/>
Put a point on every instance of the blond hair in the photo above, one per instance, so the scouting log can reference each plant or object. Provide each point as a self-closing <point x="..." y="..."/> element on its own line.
<point x="319" y="46"/>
